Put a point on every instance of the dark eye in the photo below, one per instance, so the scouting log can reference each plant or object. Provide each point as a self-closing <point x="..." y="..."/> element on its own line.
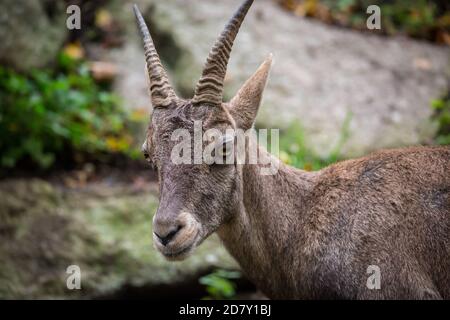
<point x="147" y="155"/>
<point x="144" y="151"/>
<point x="224" y="151"/>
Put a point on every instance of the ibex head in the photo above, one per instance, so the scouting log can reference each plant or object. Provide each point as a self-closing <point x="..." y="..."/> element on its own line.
<point x="195" y="199"/>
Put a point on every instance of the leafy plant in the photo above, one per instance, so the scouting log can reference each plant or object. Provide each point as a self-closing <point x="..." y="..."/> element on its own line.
<point x="47" y="113"/>
<point x="442" y="117"/>
<point x="418" y="18"/>
<point x="219" y="284"/>
<point x="295" y="151"/>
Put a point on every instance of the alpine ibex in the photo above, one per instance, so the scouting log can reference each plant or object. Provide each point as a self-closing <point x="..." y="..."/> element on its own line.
<point x="297" y="234"/>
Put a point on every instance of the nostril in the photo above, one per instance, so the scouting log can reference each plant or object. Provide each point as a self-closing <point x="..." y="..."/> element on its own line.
<point x="165" y="239"/>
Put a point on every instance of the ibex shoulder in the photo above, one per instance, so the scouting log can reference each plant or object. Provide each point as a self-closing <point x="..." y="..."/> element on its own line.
<point x="426" y="161"/>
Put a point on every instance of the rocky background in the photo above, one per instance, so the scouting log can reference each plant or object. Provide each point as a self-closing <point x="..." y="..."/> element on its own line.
<point x="323" y="76"/>
<point x="103" y="228"/>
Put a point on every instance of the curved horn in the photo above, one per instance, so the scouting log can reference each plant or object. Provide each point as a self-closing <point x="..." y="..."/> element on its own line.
<point x="162" y="93"/>
<point x="210" y="86"/>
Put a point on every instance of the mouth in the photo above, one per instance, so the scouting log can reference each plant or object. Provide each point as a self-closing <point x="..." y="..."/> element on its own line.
<point x="179" y="254"/>
<point x="177" y="251"/>
<point x="183" y="242"/>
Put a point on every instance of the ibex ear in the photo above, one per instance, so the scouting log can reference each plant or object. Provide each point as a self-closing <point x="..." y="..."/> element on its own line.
<point x="244" y="106"/>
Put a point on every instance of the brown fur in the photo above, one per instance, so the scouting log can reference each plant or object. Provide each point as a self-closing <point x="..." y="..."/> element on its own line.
<point x="300" y="234"/>
<point x="313" y="235"/>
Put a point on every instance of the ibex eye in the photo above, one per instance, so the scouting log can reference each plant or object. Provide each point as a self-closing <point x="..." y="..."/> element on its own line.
<point x="224" y="150"/>
<point x="147" y="155"/>
<point x="144" y="151"/>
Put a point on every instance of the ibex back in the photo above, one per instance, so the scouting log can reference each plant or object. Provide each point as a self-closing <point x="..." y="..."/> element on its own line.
<point x="297" y="234"/>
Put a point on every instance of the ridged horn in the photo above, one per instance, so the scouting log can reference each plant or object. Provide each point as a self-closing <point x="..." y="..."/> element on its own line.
<point x="162" y="93"/>
<point x="210" y="86"/>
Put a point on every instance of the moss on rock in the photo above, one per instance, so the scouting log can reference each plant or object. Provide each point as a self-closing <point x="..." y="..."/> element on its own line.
<point x="106" y="231"/>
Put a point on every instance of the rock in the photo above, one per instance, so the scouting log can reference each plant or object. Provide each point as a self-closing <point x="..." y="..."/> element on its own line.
<point x="31" y="32"/>
<point x="321" y="75"/>
<point x="106" y="231"/>
<point x="103" y="71"/>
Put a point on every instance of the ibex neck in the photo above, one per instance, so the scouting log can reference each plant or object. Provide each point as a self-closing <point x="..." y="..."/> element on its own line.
<point x="260" y="236"/>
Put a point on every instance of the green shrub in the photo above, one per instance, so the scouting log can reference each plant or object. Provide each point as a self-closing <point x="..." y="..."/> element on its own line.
<point x="442" y="117"/>
<point x="418" y="18"/>
<point x="295" y="151"/>
<point x="47" y="113"/>
<point x="219" y="284"/>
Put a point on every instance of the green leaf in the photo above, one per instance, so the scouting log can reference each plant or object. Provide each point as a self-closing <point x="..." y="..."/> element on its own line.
<point x="218" y="284"/>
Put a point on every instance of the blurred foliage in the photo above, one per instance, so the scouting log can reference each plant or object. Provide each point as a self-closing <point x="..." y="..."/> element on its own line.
<point x="219" y="284"/>
<point x="49" y="113"/>
<point x="295" y="151"/>
<point x="99" y="23"/>
<point x="442" y="117"/>
<point x="417" y="18"/>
